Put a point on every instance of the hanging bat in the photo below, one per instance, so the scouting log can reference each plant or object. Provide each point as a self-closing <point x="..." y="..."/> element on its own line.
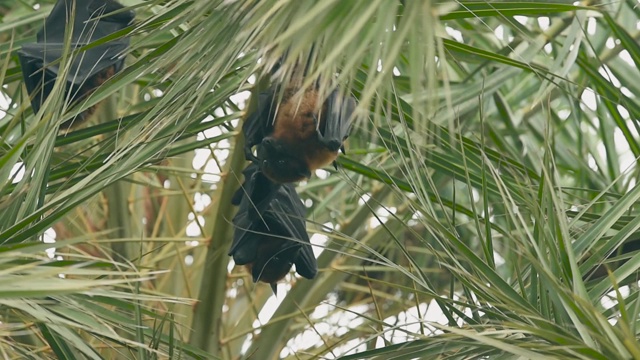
<point x="92" y="20"/>
<point x="270" y="234"/>
<point x="296" y="135"/>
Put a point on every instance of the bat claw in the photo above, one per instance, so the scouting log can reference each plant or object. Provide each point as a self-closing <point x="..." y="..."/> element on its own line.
<point x="343" y="150"/>
<point x="274" y="288"/>
<point x="335" y="165"/>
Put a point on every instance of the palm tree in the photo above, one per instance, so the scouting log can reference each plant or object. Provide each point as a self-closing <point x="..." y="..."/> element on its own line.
<point x="484" y="209"/>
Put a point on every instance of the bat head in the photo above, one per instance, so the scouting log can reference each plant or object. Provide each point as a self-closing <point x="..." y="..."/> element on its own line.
<point x="280" y="164"/>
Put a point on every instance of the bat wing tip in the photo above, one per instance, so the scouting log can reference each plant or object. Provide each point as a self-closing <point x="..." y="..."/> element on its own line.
<point x="306" y="267"/>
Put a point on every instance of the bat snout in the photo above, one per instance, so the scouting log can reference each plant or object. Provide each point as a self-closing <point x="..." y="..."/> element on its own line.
<point x="271" y="144"/>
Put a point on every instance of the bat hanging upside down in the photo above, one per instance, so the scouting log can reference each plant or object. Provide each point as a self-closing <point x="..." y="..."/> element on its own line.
<point x="270" y="234"/>
<point x="295" y="135"/>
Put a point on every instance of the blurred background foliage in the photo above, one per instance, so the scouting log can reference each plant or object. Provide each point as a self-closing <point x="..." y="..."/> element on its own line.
<point x="486" y="207"/>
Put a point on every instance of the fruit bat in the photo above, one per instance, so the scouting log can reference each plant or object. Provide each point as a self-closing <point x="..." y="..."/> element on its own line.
<point x="295" y="135"/>
<point x="270" y="234"/>
<point x="92" y="20"/>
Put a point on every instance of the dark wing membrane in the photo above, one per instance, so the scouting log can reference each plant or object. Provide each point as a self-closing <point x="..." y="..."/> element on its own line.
<point x="285" y="211"/>
<point x="263" y="210"/>
<point x="290" y="211"/>
<point x="244" y="240"/>
<point x="258" y="190"/>
<point x="259" y="123"/>
<point x="89" y="21"/>
<point x="40" y="60"/>
<point x="262" y="193"/>
<point x="337" y="124"/>
<point x="238" y="195"/>
<point x="306" y="264"/>
<point x="295" y="205"/>
<point x="243" y="248"/>
<point x="247" y="185"/>
<point x="113" y="10"/>
<point x="271" y="221"/>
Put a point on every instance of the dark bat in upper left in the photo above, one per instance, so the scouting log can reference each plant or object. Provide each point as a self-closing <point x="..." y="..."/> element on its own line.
<point x="92" y="20"/>
<point x="270" y="234"/>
